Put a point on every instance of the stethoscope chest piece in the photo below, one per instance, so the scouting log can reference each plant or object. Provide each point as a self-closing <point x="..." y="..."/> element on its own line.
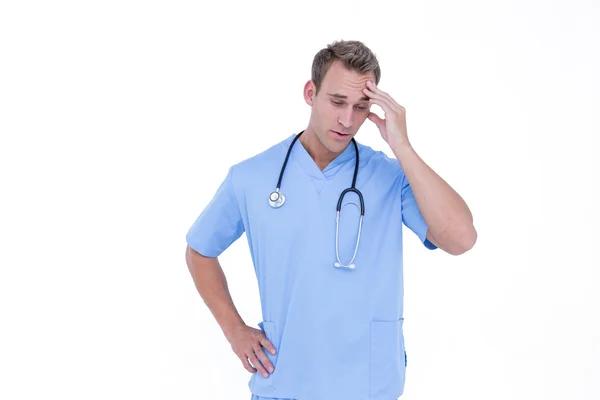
<point x="276" y="199"/>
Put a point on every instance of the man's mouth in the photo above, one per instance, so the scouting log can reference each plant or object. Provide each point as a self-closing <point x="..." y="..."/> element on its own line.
<point x="340" y="134"/>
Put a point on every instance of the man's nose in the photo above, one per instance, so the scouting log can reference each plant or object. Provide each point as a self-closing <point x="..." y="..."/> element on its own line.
<point x="345" y="118"/>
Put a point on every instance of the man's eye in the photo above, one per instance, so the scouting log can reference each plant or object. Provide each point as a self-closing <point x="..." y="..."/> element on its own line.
<point x="338" y="103"/>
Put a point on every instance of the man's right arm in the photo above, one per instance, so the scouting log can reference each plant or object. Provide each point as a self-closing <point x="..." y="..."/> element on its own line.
<point x="211" y="284"/>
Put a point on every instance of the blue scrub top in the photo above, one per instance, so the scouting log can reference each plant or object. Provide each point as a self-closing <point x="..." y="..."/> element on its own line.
<point x="338" y="332"/>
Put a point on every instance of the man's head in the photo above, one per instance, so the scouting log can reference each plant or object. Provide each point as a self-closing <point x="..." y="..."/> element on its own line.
<point x="339" y="73"/>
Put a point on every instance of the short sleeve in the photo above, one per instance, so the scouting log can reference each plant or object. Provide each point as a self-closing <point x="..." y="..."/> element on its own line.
<point x="411" y="215"/>
<point x="219" y="224"/>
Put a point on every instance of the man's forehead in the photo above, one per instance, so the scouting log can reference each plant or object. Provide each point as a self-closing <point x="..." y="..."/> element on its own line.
<point x="348" y="80"/>
<point x="347" y="89"/>
<point x="343" y="83"/>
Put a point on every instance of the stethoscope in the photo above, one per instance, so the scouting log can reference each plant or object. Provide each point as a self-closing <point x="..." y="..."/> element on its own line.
<point x="277" y="198"/>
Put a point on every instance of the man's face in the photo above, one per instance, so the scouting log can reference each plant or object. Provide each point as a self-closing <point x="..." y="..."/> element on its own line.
<point x="340" y="106"/>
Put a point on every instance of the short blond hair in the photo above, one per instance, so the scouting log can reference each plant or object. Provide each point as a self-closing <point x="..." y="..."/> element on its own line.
<point x="353" y="54"/>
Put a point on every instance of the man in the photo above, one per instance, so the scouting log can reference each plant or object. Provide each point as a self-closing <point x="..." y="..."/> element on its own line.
<point x="332" y="312"/>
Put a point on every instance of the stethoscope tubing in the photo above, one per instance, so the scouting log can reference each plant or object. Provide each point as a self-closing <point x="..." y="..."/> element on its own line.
<point x="280" y="199"/>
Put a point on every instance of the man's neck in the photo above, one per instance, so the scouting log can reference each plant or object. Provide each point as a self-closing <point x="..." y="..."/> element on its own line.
<point x="319" y="153"/>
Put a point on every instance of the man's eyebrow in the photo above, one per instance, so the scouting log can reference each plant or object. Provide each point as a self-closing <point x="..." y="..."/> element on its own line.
<point x="341" y="96"/>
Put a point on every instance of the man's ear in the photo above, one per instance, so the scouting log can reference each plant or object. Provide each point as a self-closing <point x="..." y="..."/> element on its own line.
<point x="309" y="92"/>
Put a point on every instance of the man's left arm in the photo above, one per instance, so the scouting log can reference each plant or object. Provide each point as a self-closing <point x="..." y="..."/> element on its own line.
<point x="446" y="214"/>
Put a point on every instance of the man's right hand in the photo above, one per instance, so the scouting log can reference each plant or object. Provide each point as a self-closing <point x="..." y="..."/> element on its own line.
<point x="247" y="343"/>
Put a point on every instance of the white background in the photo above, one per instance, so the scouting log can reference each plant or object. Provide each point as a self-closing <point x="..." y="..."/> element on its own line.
<point x="119" y="119"/>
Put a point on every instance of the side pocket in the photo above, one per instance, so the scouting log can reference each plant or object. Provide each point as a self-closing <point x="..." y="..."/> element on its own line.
<point x="388" y="359"/>
<point x="270" y="331"/>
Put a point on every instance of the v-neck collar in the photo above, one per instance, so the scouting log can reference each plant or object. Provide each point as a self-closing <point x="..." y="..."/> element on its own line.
<point x="301" y="155"/>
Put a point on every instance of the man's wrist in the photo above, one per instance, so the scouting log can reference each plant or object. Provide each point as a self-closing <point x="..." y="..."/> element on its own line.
<point x="230" y="327"/>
